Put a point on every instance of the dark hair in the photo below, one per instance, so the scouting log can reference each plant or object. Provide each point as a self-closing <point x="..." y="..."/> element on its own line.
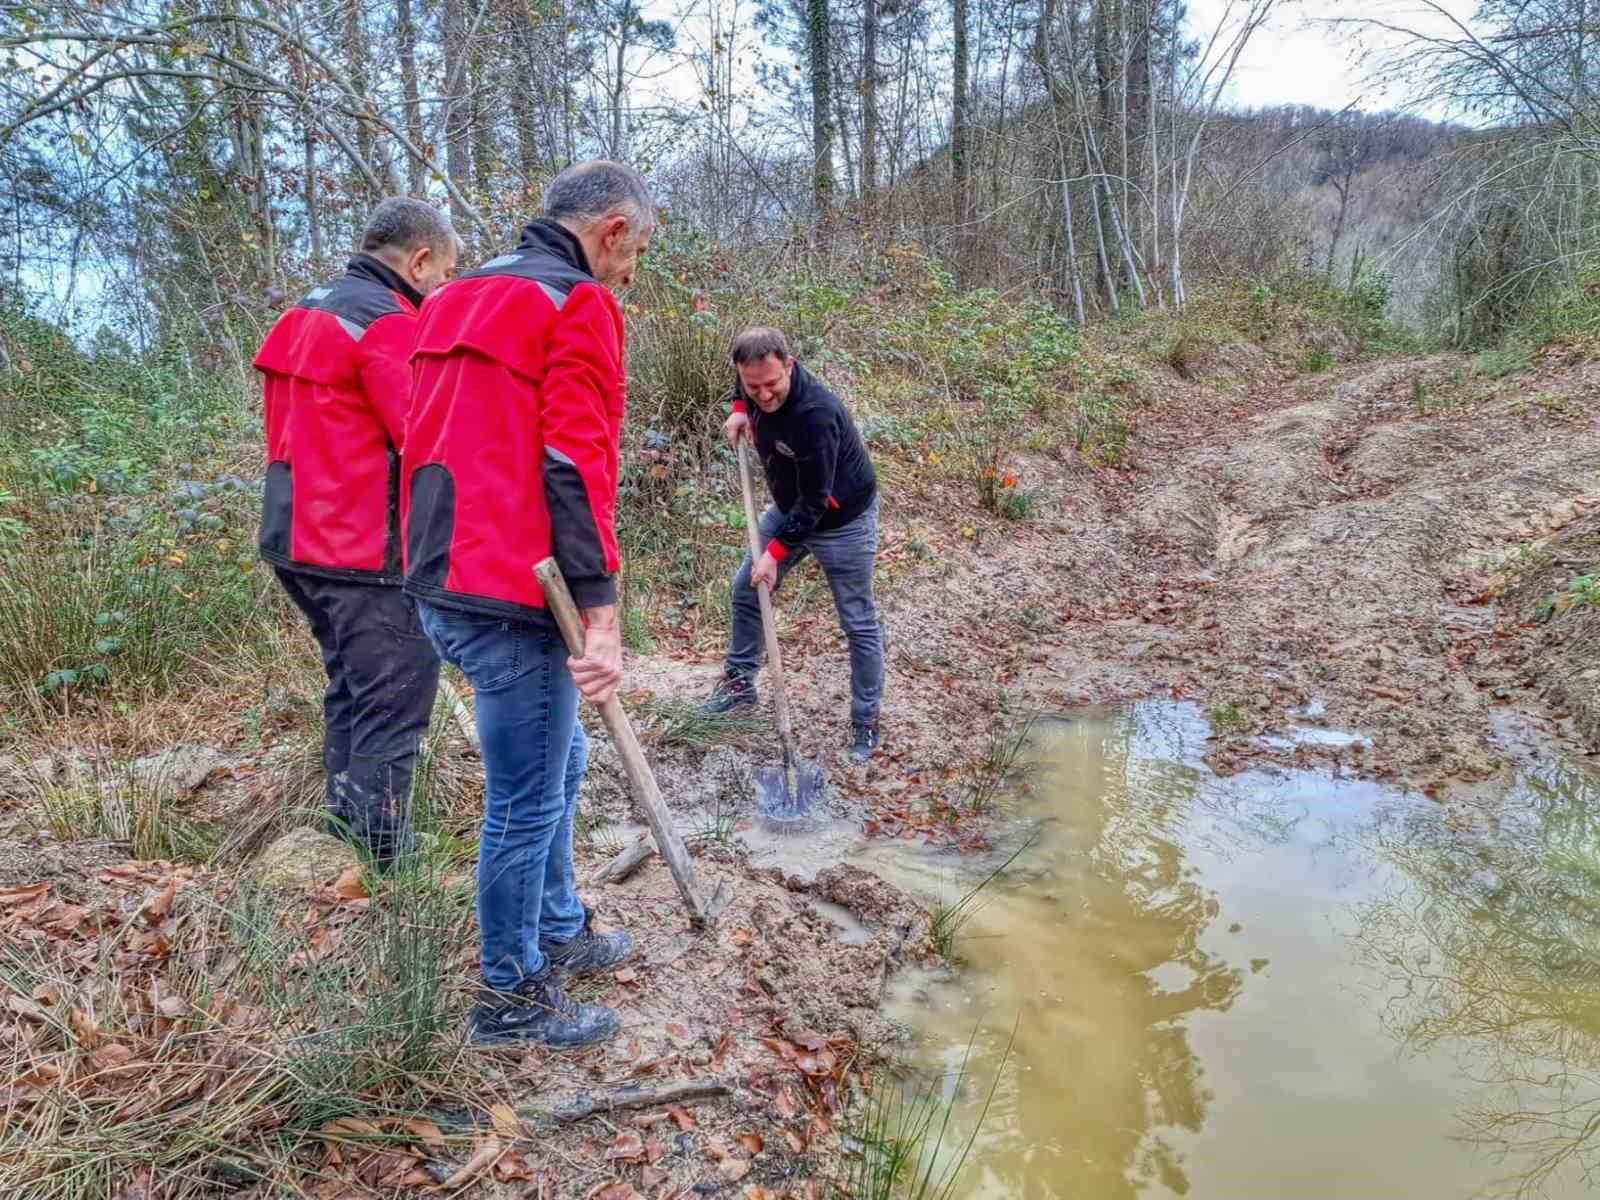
<point x="408" y="225"/>
<point x="756" y="343"/>
<point x="592" y="191"/>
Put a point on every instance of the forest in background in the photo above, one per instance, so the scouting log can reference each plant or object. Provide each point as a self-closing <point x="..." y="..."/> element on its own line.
<point x="177" y="170"/>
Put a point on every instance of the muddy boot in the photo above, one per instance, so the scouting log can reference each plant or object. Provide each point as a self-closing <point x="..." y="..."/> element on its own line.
<point x="539" y="1012"/>
<point x="589" y="952"/>
<point x="864" y="740"/>
<point x="732" y="691"/>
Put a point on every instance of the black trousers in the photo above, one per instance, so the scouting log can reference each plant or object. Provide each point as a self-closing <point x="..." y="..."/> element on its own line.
<point x="382" y="678"/>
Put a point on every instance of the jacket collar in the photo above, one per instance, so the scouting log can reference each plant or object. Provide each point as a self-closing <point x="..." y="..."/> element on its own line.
<point x="556" y="238"/>
<point x="364" y="266"/>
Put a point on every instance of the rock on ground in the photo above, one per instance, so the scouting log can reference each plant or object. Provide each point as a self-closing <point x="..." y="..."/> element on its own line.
<point x="303" y="858"/>
<point x="178" y="768"/>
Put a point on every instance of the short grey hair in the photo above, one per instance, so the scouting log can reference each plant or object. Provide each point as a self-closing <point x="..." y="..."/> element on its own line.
<point x="592" y="191"/>
<point x="757" y="343"/>
<point x="406" y="225"/>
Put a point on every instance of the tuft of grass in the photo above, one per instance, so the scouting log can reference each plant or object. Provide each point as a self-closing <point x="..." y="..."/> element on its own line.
<point x="949" y="919"/>
<point x="117" y="806"/>
<point x="1507" y="360"/>
<point x="903" y="1130"/>
<point x="677" y="722"/>
<point x="989" y="773"/>
<point x="1227" y="718"/>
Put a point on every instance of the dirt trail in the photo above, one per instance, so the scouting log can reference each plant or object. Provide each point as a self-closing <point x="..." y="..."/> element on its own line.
<point x="1315" y="553"/>
<point x="1325" y="553"/>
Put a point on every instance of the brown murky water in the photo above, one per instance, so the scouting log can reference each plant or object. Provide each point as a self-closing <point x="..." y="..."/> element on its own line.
<point x="1268" y="986"/>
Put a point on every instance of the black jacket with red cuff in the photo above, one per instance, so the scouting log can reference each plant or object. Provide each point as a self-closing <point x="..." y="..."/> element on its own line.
<point x="817" y="466"/>
<point x="518" y="390"/>
<point x="336" y="382"/>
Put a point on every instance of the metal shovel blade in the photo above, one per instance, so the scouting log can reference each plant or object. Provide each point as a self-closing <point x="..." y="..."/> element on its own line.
<point x="777" y="804"/>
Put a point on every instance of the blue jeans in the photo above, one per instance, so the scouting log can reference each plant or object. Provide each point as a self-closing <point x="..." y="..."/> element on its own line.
<point x="846" y="556"/>
<point x="534" y="757"/>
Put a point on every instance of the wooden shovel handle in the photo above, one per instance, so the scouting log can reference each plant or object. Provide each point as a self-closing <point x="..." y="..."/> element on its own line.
<point x="643" y="780"/>
<point x="764" y="595"/>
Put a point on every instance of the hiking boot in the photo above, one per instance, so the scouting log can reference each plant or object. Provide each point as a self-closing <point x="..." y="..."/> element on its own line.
<point x="589" y="952"/>
<point x="539" y="1012"/>
<point x="732" y="691"/>
<point x="864" y="739"/>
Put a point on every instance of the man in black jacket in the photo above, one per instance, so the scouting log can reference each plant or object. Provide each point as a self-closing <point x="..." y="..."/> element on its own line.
<point x="825" y="504"/>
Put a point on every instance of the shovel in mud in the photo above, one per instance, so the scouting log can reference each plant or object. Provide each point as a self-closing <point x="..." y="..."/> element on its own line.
<point x="786" y="794"/>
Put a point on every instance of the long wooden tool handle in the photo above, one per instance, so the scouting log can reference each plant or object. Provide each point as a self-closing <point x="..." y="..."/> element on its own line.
<point x="561" y="605"/>
<point x="764" y="594"/>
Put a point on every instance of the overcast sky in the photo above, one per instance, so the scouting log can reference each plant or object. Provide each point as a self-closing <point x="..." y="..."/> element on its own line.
<point x="1298" y="59"/>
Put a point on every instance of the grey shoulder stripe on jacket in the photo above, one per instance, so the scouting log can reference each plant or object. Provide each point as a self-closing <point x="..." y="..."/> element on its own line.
<point x="557" y="296"/>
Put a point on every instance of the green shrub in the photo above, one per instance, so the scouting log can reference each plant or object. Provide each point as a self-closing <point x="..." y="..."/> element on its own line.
<point x="1316" y="361"/>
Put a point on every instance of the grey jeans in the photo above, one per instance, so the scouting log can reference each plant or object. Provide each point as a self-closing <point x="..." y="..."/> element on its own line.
<point x="846" y="557"/>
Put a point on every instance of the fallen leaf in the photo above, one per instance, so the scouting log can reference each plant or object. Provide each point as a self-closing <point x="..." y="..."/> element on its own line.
<point x="426" y="1132"/>
<point x="646" y="1120"/>
<point x="482" y="1159"/>
<point x="506" y="1122"/>
<point x="753" y="1143"/>
<point x="796" y="1142"/>
<point x="18" y="895"/>
<point x="684" y="1118"/>
<point x="652" y="1176"/>
<point x="110" y="1057"/>
<point x="786" y="1105"/>
<point x="156" y="909"/>
<point x="172" y="1007"/>
<point x="350" y="885"/>
<point x="757" y="1192"/>
<point x="512" y="1165"/>
<point x="733" y="1169"/>
<point x="84" y="1027"/>
<point x="616" y="1189"/>
<point x="742" y="937"/>
<point x="628" y="1147"/>
<point x="677" y="1029"/>
<point x="625" y="975"/>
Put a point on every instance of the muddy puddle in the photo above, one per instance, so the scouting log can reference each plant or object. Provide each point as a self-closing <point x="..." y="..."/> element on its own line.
<point x="1270" y="985"/>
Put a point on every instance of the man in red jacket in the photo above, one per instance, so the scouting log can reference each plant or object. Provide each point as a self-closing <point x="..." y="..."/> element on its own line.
<point x="336" y="384"/>
<point x="516" y="421"/>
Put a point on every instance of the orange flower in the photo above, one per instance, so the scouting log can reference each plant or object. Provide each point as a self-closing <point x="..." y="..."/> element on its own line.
<point x="1009" y="481"/>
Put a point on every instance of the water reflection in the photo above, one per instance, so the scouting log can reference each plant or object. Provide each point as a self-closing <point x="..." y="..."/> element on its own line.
<point x="1109" y="920"/>
<point x="1490" y="949"/>
<point x="1209" y="980"/>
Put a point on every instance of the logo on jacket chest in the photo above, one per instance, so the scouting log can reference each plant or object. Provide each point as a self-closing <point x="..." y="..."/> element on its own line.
<point x="783" y="447"/>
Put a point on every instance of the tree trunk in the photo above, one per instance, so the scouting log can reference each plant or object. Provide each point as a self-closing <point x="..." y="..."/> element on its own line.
<point x="457" y="113"/>
<point x="818" y="33"/>
<point x="619" y="93"/>
<point x="869" y="106"/>
<point x="481" y="127"/>
<point x="356" y="51"/>
<point x="406" y="31"/>
<point x="961" y="116"/>
<point x="312" y="201"/>
<point x="1055" y="94"/>
<point x="1343" y="188"/>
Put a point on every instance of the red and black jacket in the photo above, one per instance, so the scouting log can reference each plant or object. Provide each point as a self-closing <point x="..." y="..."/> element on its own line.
<point x="518" y="390"/>
<point x="817" y="466"/>
<point x="336" y="384"/>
